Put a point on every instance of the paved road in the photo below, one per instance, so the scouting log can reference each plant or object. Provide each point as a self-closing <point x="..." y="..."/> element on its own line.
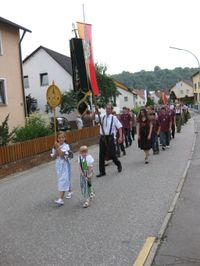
<point x="181" y="239"/>
<point x="129" y="207"/>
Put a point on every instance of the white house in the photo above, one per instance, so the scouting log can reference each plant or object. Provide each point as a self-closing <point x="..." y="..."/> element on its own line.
<point x="125" y="98"/>
<point x="154" y="96"/>
<point x="140" y="97"/>
<point x="182" y="90"/>
<point x="41" y="68"/>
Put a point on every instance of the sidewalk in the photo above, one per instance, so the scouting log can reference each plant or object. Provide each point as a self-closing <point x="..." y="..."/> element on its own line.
<point x="181" y="241"/>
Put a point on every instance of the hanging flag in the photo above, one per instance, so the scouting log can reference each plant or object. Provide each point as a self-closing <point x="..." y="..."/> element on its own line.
<point x="79" y="74"/>
<point x="85" y="33"/>
<point x="164" y="97"/>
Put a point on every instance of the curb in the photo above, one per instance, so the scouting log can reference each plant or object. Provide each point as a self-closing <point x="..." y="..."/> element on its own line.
<point x="148" y="258"/>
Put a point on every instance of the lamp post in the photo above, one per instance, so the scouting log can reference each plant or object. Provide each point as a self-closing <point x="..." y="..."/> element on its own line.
<point x="180" y="49"/>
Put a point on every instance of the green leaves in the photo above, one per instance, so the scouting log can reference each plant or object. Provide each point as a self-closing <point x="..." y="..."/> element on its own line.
<point x="5" y="135"/>
<point x="36" y="126"/>
<point x="155" y="80"/>
<point x="106" y="85"/>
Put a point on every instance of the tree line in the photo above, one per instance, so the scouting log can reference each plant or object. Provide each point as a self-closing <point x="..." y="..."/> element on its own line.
<point x="157" y="79"/>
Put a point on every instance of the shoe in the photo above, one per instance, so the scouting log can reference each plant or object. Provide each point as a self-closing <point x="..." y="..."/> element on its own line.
<point x="86" y="204"/>
<point x="163" y="148"/>
<point x="59" y="201"/>
<point x="119" y="168"/>
<point x="124" y="153"/>
<point x="168" y="146"/>
<point x="101" y="174"/>
<point x="92" y="195"/>
<point x="69" y="195"/>
<point x="146" y="161"/>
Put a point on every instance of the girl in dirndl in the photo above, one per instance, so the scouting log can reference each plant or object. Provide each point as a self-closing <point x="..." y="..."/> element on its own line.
<point x="86" y="161"/>
<point x="61" y="151"/>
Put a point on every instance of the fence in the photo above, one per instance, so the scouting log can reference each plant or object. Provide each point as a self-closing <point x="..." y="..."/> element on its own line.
<point x="18" y="151"/>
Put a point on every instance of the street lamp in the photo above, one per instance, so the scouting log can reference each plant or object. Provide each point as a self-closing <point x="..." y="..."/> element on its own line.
<point x="180" y="49"/>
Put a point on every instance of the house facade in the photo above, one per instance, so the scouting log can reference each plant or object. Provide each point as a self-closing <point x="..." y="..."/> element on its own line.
<point x="125" y="98"/>
<point x="196" y="87"/>
<point x="41" y="68"/>
<point x="182" y="91"/>
<point x="12" y="99"/>
<point x="140" y="97"/>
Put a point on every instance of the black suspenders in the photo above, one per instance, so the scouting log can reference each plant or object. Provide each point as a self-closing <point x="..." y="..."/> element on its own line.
<point x="111" y="124"/>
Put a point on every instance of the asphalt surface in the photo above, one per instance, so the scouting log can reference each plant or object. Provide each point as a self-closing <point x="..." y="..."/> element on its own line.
<point x="182" y="237"/>
<point x="129" y="206"/>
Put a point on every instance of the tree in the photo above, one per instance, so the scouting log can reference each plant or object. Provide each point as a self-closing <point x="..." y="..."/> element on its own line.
<point x="160" y="101"/>
<point x="31" y="104"/>
<point x="69" y="102"/>
<point x="155" y="80"/>
<point x="5" y="136"/>
<point x="150" y="102"/>
<point x="108" y="93"/>
<point x="108" y="90"/>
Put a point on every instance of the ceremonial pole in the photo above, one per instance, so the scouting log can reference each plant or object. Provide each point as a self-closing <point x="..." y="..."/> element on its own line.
<point x="88" y="76"/>
<point x="53" y="96"/>
<point x="86" y="61"/>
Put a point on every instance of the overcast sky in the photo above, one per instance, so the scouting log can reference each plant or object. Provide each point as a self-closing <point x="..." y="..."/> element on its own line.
<point x="128" y="35"/>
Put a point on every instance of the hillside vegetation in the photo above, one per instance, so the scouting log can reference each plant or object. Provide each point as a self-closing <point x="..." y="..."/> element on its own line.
<point x="155" y="80"/>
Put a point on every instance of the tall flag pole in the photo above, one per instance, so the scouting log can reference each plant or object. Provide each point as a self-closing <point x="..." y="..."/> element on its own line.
<point x="85" y="33"/>
<point x="86" y="61"/>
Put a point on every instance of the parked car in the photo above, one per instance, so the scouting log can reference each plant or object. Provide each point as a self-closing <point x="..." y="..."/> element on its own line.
<point x="61" y="124"/>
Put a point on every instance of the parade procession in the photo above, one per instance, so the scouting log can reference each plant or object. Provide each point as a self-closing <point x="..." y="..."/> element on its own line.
<point x="96" y="168"/>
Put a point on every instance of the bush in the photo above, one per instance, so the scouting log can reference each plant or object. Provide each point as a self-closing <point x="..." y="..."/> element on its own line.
<point x="136" y="110"/>
<point x="5" y="135"/>
<point x="36" y="126"/>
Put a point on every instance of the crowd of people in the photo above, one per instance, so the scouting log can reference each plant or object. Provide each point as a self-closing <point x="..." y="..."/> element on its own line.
<point x="155" y="127"/>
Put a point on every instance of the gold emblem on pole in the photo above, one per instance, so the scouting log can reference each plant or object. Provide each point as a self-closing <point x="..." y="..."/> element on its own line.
<point x="53" y="95"/>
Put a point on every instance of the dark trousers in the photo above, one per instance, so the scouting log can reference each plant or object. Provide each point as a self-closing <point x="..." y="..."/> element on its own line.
<point x="155" y="144"/>
<point x="165" y="138"/>
<point x="133" y="132"/>
<point x="127" y="133"/>
<point x="173" y="131"/>
<point x="107" y="145"/>
<point x="120" y="147"/>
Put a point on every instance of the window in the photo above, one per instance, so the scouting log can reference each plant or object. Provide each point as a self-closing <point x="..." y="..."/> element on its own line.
<point x="195" y="86"/>
<point x="1" y="45"/>
<point x="125" y="98"/>
<point x="2" y="92"/>
<point x="199" y="85"/>
<point x="44" y="79"/>
<point x="181" y="91"/>
<point x="26" y="82"/>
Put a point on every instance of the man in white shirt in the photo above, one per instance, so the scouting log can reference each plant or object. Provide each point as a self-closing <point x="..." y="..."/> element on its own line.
<point x="108" y="125"/>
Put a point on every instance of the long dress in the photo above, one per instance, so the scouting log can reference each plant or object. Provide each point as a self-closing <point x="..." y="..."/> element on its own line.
<point x="63" y="169"/>
<point x="144" y="143"/>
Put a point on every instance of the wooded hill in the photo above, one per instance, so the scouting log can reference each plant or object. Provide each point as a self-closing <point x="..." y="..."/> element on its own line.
<point x="155" y="80"/>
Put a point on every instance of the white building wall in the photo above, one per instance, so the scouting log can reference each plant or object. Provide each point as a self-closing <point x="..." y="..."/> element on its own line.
<point x="126" y="98"/>
<point x="140" y="101"/>
<point x="42" y="62"/>
<point x="181" y="90"/>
